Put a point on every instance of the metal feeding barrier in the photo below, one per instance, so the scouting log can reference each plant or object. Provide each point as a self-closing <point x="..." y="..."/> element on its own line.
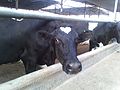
<point x="53" y="76"/>
<point x="22" y="13"/>
<point x="30" y="14"/>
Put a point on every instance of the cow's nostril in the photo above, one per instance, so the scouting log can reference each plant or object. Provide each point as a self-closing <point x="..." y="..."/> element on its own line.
<point x="69" y="67"/>
<point x="74" y="67"/>
<point x="80" y="67"/>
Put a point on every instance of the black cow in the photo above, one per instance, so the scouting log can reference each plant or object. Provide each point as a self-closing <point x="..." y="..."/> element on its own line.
<point x="66" y="50"/>
<point x="84" y="35"/>
<point x="14" y="38"/>
<point x="15" y="44"/>
<point x="44" y="48"/>
<point x="39" y="50"/>
<point x="103" y="33"/>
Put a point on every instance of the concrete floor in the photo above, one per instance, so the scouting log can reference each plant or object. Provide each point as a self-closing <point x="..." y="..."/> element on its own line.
<point x="105" y="75"/>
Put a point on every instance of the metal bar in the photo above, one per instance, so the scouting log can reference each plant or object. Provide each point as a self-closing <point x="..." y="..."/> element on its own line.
<point x="61" y="4"/>
<point x="99" y="8"/>
<point x="115" y="9"/>
<point x="85" y="10"/>
<point x="16" y="4"/>
<point x="30" y="14"/>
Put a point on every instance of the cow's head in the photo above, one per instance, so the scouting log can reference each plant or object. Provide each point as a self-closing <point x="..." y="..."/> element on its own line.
<point x="66" y="49"/>
<point x="46" y="44"/>
<point x="85" y="35"/>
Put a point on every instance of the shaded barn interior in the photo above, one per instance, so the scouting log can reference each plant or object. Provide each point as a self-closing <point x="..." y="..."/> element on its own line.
<point x="78" y="11"/>
<point x="26" y="4"/>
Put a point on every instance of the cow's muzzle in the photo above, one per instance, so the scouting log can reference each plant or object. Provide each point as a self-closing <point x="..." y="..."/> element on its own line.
<point x="73" y="68"/>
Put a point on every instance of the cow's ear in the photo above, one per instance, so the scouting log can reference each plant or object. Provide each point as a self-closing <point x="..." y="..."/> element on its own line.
<point x="112" y="25"/>
<point x="77" y="40"/>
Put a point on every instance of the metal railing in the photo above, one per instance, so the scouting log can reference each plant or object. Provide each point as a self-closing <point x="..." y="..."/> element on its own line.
<point x="30" y="14"/>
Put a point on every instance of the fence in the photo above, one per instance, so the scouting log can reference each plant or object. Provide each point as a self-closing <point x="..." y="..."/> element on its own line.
<point x="22" y="13"/>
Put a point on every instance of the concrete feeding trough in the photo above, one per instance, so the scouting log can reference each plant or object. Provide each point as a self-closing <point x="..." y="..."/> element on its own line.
<point x="53" y="76"/>
<point x="105" y="75"/>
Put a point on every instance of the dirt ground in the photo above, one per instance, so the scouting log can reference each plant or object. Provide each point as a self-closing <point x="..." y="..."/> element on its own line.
<point x="11" y="71"/>
<point x="14" y="70"/>
<point x="83" y="47"/>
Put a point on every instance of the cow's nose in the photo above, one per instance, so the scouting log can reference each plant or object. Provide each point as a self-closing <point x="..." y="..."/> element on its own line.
<point x="74" y="68"/>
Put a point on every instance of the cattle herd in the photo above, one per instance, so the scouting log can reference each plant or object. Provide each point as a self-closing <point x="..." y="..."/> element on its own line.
<point x="103" y="33"/>
<point x="39" y="42"/>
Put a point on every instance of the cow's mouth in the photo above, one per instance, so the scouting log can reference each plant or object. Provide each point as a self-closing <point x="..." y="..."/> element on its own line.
<point x="72" y="71"/>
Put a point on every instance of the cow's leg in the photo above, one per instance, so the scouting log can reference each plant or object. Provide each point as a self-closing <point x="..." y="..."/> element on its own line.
<point x="117" y="35"/>
<point x="117" y="38"/>
<point x="105" y="42"/>
<point x="30" y="65"/>
<point x="91" y="45"/>
<point x="96" y="44"/>
<point x="29" y="62"/>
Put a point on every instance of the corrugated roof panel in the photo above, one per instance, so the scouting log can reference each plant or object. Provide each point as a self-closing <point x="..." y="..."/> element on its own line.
<point x="107" y="4"/>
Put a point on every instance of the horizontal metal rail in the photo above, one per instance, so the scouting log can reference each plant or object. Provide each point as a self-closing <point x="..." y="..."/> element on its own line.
<point x="30" y="14"/>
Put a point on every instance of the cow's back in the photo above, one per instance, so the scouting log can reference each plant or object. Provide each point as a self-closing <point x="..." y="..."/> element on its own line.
<point x="13" y="36"/>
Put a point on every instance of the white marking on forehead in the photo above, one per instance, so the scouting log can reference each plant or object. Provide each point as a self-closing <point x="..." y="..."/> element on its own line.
<point x="65" y="29"/>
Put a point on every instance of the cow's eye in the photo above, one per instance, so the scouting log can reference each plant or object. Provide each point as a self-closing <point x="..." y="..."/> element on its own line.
<point x="59" y="42"/>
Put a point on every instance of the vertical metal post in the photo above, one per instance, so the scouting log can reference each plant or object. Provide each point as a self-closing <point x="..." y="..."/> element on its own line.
<point x="61" y="9"/>
<point x="85" y="10"/>
<point x="16" y="4"/>
<point x="115" y="9"/>
<point x="55" y="9"/>
<point x="99" y="8"/>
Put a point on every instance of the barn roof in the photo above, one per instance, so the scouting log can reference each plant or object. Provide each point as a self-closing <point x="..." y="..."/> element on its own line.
<point x="106" y="4"/>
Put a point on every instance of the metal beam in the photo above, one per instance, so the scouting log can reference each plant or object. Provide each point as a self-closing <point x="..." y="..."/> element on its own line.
<point x="30" y="14"/>
<point x="115" y="9"/>
<point x="16" y="4"/>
